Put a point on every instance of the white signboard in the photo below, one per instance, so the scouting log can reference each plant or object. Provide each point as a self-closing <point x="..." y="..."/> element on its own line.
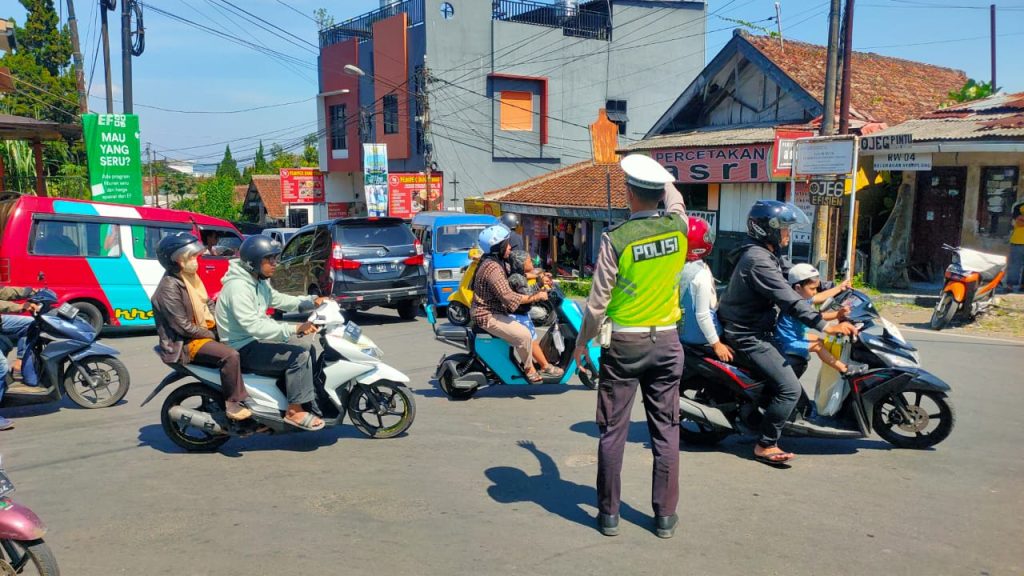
<point x="890" y="142"/>
<point x="903" y="161"/>
<point x="824" y="156"/>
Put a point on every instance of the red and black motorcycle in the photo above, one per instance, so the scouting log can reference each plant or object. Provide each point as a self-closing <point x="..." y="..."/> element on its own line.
<point x="890" y="395"/>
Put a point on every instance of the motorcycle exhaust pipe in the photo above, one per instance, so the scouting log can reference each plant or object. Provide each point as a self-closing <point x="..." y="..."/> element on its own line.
<point x="196" y="419"/>
<point x="706" y="414"/>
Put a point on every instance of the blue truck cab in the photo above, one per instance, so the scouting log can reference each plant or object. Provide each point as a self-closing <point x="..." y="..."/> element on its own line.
<point x="447" y="238"/>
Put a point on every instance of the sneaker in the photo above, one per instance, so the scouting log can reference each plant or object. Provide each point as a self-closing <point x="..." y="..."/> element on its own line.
<point x="6" y="424"/>
<point x="608" y="524"/>
<point x="665" y="526"/>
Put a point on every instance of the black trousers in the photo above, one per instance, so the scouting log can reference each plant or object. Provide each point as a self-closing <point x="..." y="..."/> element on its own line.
<point x="758" y="352"/>
<point x="293" y="359"/>
<point x="655" y="366"/>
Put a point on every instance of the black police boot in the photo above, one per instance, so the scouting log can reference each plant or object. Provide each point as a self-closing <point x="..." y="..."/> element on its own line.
<point x="608" y="524"/>
<point x="666" y="525"/>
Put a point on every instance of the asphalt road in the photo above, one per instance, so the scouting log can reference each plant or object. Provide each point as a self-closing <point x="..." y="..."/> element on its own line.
<point x="503" y="484"/>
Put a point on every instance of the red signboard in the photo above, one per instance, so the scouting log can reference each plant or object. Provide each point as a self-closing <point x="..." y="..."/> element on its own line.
<point x="338" y="209"/>
<point x="302" y="186"/>
<point x="747" y="163"/>
<point x="782" y="152"/>
<point x="407" y="192"/>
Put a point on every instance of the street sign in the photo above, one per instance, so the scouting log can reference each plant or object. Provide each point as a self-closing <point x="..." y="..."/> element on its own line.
<point x="890" y="142"/>
<point x="783" y="151"/>
<point x="910" y="161"/>
<point x="818" y="156"/>
<point x="115" y="157"/>
<point x="827" y="192"/>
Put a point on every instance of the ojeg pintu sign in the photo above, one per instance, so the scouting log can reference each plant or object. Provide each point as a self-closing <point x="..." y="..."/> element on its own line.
<point x="717" y="164"/>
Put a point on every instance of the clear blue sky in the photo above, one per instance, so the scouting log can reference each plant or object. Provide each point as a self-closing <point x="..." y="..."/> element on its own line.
<point x="187" y="69"/>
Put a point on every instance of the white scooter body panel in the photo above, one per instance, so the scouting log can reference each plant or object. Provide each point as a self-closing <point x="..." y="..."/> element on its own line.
<point x="383" y="372"/>
<point x="262" y="389"/>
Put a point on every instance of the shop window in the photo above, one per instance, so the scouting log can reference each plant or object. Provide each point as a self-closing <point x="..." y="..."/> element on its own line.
<point x="338" y="120"/>
<point x="998" y="195"/>
<point x="391" y="114"/>
<point x="516" y="111"/>
<point x="616" y="110"/>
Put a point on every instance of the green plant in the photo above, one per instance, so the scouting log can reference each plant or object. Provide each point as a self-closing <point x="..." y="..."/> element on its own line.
<point x="214" y="197"/>
<point x="972" y="90"/>
<point x="575" y="288"/>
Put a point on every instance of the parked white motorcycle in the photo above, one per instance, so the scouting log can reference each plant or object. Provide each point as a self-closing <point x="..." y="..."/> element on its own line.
<point x="350" y="376"/>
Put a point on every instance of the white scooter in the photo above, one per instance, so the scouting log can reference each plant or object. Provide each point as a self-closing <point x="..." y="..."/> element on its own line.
<point x="349" y="376"/>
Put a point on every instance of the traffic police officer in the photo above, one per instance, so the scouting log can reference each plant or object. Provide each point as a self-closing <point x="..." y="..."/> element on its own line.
<point x="636" y="289"/>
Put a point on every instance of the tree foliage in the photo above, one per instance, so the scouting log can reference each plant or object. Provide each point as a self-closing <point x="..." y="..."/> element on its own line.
<point x="175" y="186"/>
<point x="260" y="164"/>
<point x="972" y="90"/>
<point x="228" y="168"/>
<point x="214" y="197"/>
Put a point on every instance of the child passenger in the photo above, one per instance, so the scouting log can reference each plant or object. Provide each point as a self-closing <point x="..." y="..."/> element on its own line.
<point x="520" y="272"/>
<point x="791" y="335"/>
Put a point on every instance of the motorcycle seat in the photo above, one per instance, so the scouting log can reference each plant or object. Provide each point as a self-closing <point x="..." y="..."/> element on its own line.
<point x="452" y="332"/>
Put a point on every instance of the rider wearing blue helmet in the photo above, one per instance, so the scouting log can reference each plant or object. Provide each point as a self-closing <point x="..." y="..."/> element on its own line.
<point x="494" y="300"/>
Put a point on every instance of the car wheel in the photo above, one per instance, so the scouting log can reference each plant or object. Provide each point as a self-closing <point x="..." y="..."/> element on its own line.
<point x="409" y="309"/>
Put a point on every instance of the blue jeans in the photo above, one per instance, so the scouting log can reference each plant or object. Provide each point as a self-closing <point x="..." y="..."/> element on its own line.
<point x="14" y="328"/>
<point x="1015" y="266"/>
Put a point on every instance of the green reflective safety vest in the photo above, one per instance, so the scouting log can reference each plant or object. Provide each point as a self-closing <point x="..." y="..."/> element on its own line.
<point x="651" y="253"/>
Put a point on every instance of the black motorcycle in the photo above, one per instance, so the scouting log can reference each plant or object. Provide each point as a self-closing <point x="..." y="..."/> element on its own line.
<point x="890" y="394"/>
<point x="67" y="359"/>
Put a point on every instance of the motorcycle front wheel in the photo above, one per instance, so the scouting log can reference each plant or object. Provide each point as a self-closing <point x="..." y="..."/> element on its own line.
<point x="929" y="418"/>
<point x="944" y="311"/>
<point x="27" y="557"/>
<point x="111" y="382"/>
<point x="382" y="409"/>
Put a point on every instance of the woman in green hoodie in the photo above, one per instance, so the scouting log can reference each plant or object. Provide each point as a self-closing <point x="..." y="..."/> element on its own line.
<point x="265" y="345"/>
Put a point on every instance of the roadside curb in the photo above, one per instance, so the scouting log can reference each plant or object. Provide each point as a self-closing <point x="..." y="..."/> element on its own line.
<point x="925" y="300"/>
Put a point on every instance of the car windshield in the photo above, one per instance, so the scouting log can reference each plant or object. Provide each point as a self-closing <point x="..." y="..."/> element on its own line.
<point x="371" y="234"/>
<point x="457" y="238"/>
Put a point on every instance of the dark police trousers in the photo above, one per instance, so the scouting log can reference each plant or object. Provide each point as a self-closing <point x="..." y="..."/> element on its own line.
<point x="655" y="365"/>
<point x="758" y="352"/>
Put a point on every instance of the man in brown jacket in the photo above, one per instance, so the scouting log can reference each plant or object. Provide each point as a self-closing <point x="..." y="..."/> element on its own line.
<point x="13" y="328"/>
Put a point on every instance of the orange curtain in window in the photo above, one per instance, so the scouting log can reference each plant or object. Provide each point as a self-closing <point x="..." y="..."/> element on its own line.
<point x="516" y="111"/>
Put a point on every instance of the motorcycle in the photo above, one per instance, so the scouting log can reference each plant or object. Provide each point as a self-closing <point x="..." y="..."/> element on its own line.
<point x="67" y="359"/>
<point x="971" y="282"/>
<point x="489" y="360"/>
<point x="884" y="395"/>
<point x="21" y="536"/>
<point x="460" y="301"/>
<point x="350" y="377"/>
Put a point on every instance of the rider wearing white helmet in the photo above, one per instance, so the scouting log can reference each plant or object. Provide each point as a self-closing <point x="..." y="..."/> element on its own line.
<point x="494" y="300"/>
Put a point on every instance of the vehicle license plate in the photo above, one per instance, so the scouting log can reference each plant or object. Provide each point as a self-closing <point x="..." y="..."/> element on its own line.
<point x="67" y="311"/>
<point x="6" y="486"/>
<point x="352" y="332"/>
<point x="381" y="268"/>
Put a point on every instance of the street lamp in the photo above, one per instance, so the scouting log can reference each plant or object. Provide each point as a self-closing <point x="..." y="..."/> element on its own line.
<point x="334" y="93"/>
<point x="354" y="70"/>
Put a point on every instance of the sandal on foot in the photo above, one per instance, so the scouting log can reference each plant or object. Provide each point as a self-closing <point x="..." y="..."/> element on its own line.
<point x="241" y="413"/>
<point x="534" y="377"/>
<point x="552" y="371"/>
<point x="777" y="459"/>
<point x="306" y="424"/>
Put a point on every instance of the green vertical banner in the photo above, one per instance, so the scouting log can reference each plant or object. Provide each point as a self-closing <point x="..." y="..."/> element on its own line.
<point x="115" y="157"/>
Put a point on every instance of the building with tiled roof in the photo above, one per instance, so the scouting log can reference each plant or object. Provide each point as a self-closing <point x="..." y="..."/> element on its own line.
<point x="262" y="201"/>
<point x="966" y="174"/>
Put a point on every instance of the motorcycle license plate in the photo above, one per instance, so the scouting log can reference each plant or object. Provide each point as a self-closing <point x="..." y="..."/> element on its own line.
<point x="353" y="332"/>
<point x="381" y="268"/>
<point x="6" y="486"/>
<point x="67" y="311"/>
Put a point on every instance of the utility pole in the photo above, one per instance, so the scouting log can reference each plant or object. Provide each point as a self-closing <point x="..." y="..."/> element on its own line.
<point x="126" y="56"/>
<point x="821" y="224"/>
<point x="455" y="189"/>
<point x="83" y="101"/>
<point x="152" y="183"/>
<point x="844" y="96"/>
<point x="106" y="5"/>
<point x="428" y="152"/>
<point x="778" y="24"/>
<point x="992" y="25"/>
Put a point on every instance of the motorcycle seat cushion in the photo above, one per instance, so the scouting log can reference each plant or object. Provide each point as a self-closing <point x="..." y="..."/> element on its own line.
<point x="450" y="331"/>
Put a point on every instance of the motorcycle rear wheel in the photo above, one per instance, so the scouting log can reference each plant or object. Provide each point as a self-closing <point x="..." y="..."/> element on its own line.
<point x="113" y="378"/>
<point x="370" y="404"/>
<point x="894" y="428"/>
<point x="944" y="312"/>
<point x="458" y="314"/>
<point x="447" y="380"/>
<point x="22" y="556"/>
<point x="197" y="397"/>
<point x="698" y="433"/>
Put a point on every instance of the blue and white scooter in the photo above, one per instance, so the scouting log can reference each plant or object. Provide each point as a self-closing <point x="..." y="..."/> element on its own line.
<point x="488" y="360"/>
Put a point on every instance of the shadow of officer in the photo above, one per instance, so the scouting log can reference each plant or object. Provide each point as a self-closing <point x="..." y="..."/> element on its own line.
<point x="548" y="490"/>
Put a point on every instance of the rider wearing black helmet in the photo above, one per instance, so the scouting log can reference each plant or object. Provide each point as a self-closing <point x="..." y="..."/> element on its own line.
<point x="266" y="346"/>
<point x="511" y="221"/>
<point x="185" y="324"/>
<point x="757" y="292"/>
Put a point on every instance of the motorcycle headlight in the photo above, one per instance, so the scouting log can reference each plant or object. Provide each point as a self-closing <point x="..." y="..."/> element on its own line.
<point x="373" y="352"/>
<point x="897" y="360"/>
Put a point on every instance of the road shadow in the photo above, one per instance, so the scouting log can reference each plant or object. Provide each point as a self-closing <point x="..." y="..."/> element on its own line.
<point x="742" y="446"/>
<point x="153" y="436"/>
<point x="16" y="408"/>
<point x="501" y="391"/>
<point x="551" y="492"/>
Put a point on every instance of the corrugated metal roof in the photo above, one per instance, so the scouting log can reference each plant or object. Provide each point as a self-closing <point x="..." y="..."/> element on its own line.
<point x="707" y="137"/>
<point x="998" y="117"/>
